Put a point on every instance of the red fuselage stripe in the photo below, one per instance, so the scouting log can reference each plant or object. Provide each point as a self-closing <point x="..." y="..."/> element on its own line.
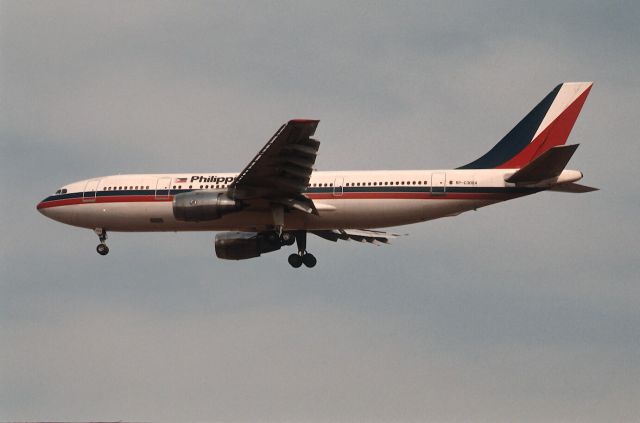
<point x="315" y="196"/>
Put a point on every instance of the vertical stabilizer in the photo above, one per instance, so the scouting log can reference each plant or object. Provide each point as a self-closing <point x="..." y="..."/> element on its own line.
<point x="547" y="125"/>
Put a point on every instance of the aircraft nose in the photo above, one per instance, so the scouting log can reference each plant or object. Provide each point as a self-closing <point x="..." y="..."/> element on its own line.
<point x="42" y="208"/>
<point x="52" y="208"/>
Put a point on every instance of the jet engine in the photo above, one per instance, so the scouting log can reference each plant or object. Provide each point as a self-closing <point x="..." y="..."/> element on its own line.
<point x="245" y="245"/>
<point x="197" y="206"/>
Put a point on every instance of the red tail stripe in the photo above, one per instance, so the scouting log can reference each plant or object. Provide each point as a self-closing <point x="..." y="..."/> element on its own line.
<point x="555" y="134"/>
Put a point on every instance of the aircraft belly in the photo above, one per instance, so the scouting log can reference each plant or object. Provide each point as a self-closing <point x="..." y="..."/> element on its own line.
<point x="378" y="213"/>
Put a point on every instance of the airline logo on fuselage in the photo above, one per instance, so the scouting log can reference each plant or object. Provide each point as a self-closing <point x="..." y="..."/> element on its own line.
<point x="215" y="179"/>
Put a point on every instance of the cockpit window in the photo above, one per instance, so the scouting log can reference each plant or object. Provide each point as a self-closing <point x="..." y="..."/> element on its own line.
<point x="58" y="191"/>
<point x="63" y="191"/>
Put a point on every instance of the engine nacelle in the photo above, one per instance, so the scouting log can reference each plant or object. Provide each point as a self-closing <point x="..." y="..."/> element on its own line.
<point x="245" y="245"/>
<point x="197" y="206"/>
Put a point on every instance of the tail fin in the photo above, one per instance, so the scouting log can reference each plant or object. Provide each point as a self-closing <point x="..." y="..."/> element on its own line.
<point x="546" y="126"/>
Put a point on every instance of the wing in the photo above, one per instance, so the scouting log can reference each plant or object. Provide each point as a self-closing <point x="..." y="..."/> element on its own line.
<point x="280" y="172"/>
<point x="360" y="235"/>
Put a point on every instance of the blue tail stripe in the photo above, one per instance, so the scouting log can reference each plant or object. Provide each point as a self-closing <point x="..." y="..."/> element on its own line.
<point x="517" y="139"/>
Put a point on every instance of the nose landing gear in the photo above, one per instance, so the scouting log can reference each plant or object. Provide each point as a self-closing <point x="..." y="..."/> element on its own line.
<point x="102" y="248"/>
<point x="302" y="257"/>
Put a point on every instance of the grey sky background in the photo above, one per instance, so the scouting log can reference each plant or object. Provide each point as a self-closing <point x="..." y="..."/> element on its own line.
<point x="524" y="311"/>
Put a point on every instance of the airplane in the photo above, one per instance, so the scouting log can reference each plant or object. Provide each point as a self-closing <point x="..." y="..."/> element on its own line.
<point x="279" y="197"/>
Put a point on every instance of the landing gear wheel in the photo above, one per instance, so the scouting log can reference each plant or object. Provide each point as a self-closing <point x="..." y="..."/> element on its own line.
<point x="102" y="249"/>
<point x="287" y="238"/>
<point x="295" y="260"/>
<point x="309" y="260"/>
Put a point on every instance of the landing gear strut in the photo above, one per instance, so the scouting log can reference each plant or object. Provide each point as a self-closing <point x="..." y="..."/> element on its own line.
<point x="102" y="248"/>
<point x="302" y="257"/>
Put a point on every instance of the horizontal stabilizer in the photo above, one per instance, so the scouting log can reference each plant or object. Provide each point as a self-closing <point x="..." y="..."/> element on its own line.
<point x="572" y="187"/>
<point x="548" y="165"/>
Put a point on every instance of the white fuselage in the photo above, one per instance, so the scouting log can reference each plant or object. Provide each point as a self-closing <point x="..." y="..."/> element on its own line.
<point x="344" y="199"/>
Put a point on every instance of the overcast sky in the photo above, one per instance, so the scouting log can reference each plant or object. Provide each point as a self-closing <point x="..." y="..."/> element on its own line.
<point x="524" y="311"/>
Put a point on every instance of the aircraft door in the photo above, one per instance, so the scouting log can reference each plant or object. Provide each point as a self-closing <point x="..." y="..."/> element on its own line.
<point x="338" y="185"/>
<point x="90" y="189"/>
<point x="162" y="188"/>
<point x="438" y="183"/>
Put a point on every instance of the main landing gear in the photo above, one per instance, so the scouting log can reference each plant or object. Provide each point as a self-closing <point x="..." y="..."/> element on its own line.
<point x="102" y="248"/>
<point x="302" y="257"/>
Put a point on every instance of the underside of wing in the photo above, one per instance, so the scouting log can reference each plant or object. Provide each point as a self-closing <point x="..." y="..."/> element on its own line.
<point x="360" y="235"/>
<point x="280" y="172"/>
